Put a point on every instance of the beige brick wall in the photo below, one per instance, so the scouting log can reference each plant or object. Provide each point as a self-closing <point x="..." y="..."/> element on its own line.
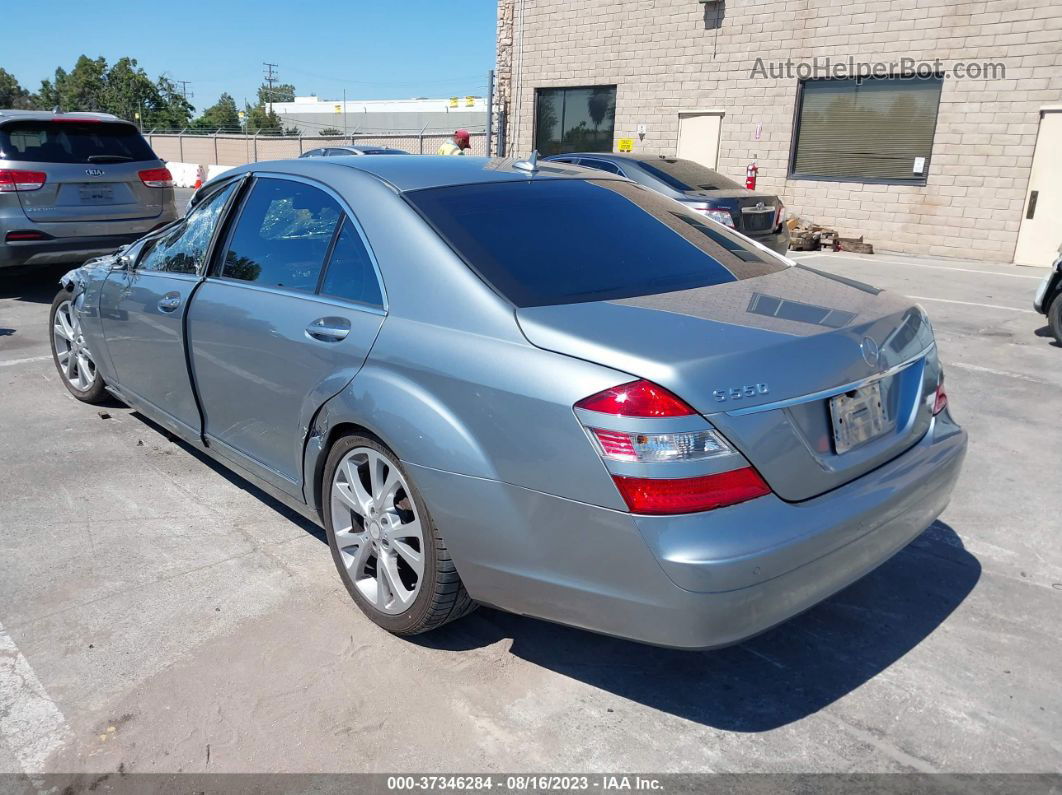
<point x="668" y="55"/>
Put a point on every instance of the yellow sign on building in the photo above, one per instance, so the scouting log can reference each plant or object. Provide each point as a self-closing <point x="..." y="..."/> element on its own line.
<point x="625" y="145"/>
<point x="338" y="107"/>
<point x="453" y="102"/>
<point x="470" y="102"/>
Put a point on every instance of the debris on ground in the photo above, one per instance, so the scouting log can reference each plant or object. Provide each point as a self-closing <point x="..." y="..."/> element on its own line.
<point x="104" y="415"/>
<point x="807" y="236"/>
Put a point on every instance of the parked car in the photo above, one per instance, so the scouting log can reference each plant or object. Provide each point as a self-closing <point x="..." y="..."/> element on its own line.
<point x="344" y="151"/>
<point x="76" y="185"/>
<point x="546" y="389"/>
<point x="757" y="215"/>
<point x="1048" y="300"/>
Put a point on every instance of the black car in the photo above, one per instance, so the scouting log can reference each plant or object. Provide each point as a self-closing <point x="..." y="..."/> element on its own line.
<point x="1048" y="299"/>
<point x="760" y="216"/>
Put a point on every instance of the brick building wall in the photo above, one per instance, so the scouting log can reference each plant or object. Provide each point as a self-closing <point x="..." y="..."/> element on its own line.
<point x="668" y="56"/>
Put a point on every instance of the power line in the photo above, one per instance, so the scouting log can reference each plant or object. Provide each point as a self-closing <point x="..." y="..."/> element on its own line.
<point x="184" y="89"/>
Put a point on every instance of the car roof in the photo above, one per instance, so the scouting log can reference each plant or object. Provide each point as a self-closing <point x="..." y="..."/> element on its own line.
<point x="10" y="114"/>
<point x="427" y="171"/>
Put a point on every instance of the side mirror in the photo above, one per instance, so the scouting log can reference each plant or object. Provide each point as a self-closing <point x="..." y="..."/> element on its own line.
<point x="123" y="262"/>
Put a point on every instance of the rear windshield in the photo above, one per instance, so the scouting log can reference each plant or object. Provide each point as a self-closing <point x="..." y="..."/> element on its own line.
<point x="73" y="142"/>
<point x="686" y="175"/>
<point x="561" y="241"/>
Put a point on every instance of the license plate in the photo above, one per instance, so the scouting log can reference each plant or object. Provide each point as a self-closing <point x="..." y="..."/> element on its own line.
<point x="858" y="416"/>
<point x="96" y="194"/>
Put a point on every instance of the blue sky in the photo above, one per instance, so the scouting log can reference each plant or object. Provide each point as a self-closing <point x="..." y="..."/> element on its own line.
<point x="375" y="50"/>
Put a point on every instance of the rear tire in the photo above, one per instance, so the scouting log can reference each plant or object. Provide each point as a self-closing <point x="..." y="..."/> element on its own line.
<point x="384" y="543"/>
<point x="1054" y="318"/>
<point x="74" y="361"/>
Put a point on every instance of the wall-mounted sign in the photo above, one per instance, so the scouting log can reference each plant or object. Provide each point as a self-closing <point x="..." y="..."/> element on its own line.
<point x="919" y="165"/>
<point x="453" y="102"/>
<point x="338" y="107"/>
<point x="470" y="102"/>
<point x="625" y="145"/>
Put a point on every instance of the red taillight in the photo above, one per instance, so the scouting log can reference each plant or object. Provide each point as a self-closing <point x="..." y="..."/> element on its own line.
<point x="637" y="399"/>
<point x="690" y="495"/>
<point x="12" y="180"/>
<point x="940" y="400"/>
<point x="779" y="216"/>
<point x="27" y="234"/>
<point x="157" y="177"/>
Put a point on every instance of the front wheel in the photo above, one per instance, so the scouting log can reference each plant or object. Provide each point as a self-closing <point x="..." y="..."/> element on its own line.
<point x="388" y="551"/>
<point x="71" y="355"/>
<point x="1054" y="318"/>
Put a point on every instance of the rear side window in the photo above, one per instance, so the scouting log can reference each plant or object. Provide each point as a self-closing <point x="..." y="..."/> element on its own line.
<point x="282" y="235"/>
<point x="558" y="241"/>
<point x="73" y="142"/>
<point x="184" y="248"/>
<point x="601" y="165"/>
<point x="350" y="274"/>
<point x="686" y="175"/>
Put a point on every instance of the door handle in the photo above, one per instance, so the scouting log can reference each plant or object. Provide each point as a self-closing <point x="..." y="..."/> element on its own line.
<point x="169" y="302"/>
<point x="328" y="329"/>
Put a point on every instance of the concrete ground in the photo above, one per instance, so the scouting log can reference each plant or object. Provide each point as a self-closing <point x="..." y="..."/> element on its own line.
<point x="158" y="614"/>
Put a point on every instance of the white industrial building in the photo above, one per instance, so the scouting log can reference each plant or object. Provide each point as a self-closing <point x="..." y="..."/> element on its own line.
<point x="384" y="116"/>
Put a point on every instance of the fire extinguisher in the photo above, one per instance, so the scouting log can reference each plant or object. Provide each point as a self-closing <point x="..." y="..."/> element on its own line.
<point x="750" y="175"/>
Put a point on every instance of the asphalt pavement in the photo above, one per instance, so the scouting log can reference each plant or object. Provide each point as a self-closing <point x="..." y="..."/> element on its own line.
<point x="160" y="614"/>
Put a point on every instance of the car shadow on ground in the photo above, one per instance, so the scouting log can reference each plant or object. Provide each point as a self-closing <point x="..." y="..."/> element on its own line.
<point x="792" y="671"/>
<point x="37" y="285"/>
<point x="1045" y="331"/>
<point x="781" y="676"/>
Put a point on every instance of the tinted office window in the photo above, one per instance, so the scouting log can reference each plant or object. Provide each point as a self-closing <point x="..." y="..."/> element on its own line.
<point x="873" y="129"/>
<point x="184" y="248"/>
<point x="574" y="119"/>
<point x="564" y="241"/>
<point x="282" y="235"/>
<point x="350" y="273"/>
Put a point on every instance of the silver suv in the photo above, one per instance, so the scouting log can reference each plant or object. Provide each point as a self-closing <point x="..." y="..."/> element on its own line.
<point x="76" y="185"/>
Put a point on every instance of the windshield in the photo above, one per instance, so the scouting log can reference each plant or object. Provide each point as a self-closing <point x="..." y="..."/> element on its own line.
<point x="686" y="175"/>
<point x="73" y="142"/>
<point x="560" y="241"/>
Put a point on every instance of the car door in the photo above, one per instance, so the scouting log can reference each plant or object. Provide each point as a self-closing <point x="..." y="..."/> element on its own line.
<point x="285" y="320"/>
<point x="142" y="311"/>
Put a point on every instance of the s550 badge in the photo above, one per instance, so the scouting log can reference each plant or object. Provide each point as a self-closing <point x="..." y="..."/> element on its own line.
<point x="740" y="392"/>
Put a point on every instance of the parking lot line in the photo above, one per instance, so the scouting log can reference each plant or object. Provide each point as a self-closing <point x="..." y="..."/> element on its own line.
<point x="31" y="725"/>
<point x="845" y="255"/>
<point x="13" y="362"/>
<point x="971" y="303"/>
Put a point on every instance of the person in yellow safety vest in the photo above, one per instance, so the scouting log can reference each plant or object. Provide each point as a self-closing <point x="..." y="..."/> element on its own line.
<point x="457" y="145"/>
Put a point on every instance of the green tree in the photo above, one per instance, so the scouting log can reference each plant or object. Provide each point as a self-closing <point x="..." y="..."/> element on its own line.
<point x="331" y="131"/>
<point x="222" y="115"/>
<point x="263" y="121"/>
<point x="175" y="112"/>
<point x="13" y="95"/>
<point x="282" y="92"/>
<point x="83" y="88"/>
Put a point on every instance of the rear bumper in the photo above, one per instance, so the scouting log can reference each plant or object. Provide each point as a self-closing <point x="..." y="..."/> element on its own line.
<point x="696" y="581"/>
<point x="778" y="242"/>
<point x="61" y="249"/>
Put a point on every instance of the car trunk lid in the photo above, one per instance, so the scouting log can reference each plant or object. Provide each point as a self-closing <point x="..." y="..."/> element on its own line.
<point x="754" y="213"/>
<point x="762" y="358"/>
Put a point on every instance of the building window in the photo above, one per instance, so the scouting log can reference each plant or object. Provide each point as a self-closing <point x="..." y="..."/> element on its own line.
<point x="574" y="119"/>
<point x="868" y="130"/>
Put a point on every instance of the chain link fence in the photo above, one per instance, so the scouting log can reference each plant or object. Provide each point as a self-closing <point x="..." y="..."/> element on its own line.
<point x="229" y="149"/>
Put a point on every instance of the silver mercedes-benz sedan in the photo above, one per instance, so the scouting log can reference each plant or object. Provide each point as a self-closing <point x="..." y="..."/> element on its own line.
<point x="527" y="385"/>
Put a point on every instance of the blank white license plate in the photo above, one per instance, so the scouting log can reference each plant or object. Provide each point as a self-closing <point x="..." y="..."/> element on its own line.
<point x="858" y="417"/>
<point x="96" y="194"/>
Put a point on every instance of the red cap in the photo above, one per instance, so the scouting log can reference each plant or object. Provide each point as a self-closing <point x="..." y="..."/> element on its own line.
<point x="461" y="136"/>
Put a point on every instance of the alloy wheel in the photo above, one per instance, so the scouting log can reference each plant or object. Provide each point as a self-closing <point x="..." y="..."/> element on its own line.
<point x="75" y="360"/>
<point x="377" y="530"/>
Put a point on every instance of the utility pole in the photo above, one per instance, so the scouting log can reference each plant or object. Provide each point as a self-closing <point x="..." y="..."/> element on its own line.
<point x="184" y="89"/>
<point x="270" y="78"/>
